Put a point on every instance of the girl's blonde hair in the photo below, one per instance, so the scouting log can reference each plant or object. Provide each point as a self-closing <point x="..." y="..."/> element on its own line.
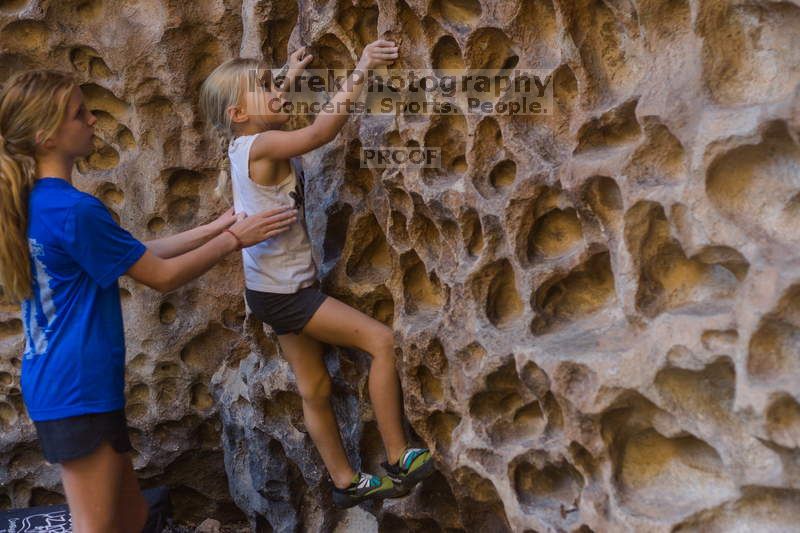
<point x="223" y="88"/>
<point x="32" y="103"/>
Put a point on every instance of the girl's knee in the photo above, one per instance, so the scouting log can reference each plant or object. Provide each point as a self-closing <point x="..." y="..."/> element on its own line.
<point x="317" y="389"/>
<point x="383" y="344"/>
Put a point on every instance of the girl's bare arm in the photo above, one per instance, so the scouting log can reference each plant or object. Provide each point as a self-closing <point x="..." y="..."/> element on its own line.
<point x="276" y="144"/>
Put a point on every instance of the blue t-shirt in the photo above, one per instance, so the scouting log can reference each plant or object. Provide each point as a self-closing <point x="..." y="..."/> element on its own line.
<point x="74" y="361"/>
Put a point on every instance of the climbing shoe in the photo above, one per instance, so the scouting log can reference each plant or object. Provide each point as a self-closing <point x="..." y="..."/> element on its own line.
<point x="414" y="465"/>
<point x="363" y="487"/>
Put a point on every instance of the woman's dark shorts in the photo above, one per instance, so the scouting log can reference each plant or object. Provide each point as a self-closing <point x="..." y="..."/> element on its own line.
<point x="286" y="313"/>
<point x="77" y="436"/>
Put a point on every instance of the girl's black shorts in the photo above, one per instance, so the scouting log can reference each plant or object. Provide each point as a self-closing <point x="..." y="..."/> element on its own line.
<point x="77" y="436"/>
<point x="286" y="313"/>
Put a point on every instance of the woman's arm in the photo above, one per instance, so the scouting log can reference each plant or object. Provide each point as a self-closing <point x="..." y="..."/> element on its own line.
<point x="165" y="275"/>
<point x="187" y="241"/>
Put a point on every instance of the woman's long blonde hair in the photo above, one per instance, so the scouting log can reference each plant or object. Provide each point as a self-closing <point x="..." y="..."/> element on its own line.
<point x="31" y="102"/>
<point x="223" y="88"/>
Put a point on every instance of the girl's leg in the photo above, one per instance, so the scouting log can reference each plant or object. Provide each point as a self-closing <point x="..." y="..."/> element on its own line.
<point x="98" y="486"/>
<point x="304" y="355"/>
<point x="338" y="323"/>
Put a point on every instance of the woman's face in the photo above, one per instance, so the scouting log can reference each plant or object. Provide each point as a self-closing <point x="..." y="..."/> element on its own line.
<point x="73" y="138"/>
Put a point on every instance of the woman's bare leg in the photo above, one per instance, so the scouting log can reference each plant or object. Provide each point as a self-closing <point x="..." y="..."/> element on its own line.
<point x="304" y="354"/>
<point x="339" y="324"/>
<point x="133" y="507"/>
<point x="98" y="486"/>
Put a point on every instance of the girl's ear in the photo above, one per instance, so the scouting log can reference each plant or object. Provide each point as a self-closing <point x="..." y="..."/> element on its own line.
<point x="47" y="144"/>
<point x="236" y="113"/>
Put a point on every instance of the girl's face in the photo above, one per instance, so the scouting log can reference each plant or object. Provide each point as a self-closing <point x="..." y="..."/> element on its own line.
<point x="73" y="138"/>
<point x="263" y="103"/>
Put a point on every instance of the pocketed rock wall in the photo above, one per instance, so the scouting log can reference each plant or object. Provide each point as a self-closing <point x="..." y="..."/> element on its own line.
<point x="597" y="312"/>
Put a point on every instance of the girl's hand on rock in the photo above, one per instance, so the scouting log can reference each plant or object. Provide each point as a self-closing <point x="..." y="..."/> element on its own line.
<point x="377" y="54"/>
<point x="298" y="60"/>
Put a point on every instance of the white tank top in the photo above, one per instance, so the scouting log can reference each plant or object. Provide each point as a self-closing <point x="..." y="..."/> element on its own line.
<point x="282" y="263"/>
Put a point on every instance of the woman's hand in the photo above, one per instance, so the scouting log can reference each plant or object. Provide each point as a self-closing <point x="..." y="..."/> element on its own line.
<point x="253" y="229"/>
<point x="378" y="53"/>
<point x="224" y="221"/>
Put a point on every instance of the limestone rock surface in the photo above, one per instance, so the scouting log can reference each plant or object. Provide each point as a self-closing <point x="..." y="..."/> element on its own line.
<point x="597" y="312"/>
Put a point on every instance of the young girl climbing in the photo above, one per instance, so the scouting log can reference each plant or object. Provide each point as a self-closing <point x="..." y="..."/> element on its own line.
<point x="60" y="256"/>
<point x="281" y="287"/>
